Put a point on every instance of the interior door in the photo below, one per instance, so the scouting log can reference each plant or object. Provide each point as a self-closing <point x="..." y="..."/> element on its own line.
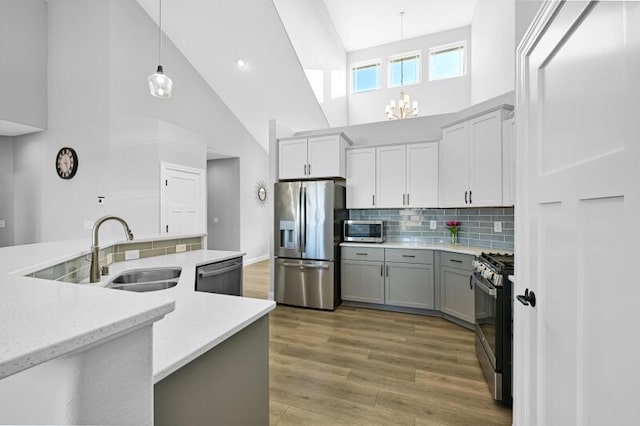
<point x="578" y="201"/>
<point x="182" y="202"/>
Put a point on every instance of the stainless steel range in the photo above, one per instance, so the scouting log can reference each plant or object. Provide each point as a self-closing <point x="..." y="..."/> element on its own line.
<point x="494" y="321"/>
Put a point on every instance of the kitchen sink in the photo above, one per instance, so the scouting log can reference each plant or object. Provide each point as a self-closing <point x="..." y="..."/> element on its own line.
<point x="143" y="280"/>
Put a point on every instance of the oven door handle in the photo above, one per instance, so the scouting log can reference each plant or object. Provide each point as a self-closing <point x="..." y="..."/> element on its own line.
<point x="482" y="286"/>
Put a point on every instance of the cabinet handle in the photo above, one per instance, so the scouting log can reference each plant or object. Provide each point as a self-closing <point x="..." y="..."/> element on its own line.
<point x="465" y="197"/>
<point x="408" y="199"/>
<point x="387" y="270"/>
<point x="407" y="255"/>
<point x="454" y="260"/>
<point x="373" y="200"/>
<point x="362" y="254"/>
<point x="309" y="169"/>
<point x="305" y="169"/>
<point x="471" y="281"/>
<point x="403" y="199"/>
<point x="381" y="270"/>
<point x="470" y="198"/>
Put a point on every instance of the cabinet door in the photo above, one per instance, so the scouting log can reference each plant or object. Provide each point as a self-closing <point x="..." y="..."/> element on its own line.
<point x="361" y="178"/>
<point x="390" y="176"/>
<point x="453" y="170"/>
<point x="457" y="298"/>
<point x="485" y="160"/>
<point x="362" y="281"/>
<point x="508" y="162"/>
<point x="324" y="156"/>
<point x="422" y="175"/>
<point x="292" y="159"/>
<point x="409" y="285"/>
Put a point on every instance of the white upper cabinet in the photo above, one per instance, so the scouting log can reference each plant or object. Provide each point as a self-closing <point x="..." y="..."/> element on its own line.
<point x="361" y="178"/>
<point x="454" y="165"/>
<point x="312" y="157"/>
<point x="390" y="176"/>
<point x="395" y="176"/>
<point x="422" y="175"/>
<point x="508" y="162"/>
<point x="472" y="165"/>
<point x="485" y="160"/>
<point x="292" y="158"/>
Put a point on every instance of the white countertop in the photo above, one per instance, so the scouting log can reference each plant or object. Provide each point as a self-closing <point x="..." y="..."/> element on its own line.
<point x="476" y="251"/>
<point x="200" y="320"/>
<point x="41" y="319"/>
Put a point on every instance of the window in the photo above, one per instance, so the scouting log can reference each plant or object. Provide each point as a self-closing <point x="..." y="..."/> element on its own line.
<point x="365" y="76"/>
<point x="447" y="61"/>
<point x="404" y="70"/>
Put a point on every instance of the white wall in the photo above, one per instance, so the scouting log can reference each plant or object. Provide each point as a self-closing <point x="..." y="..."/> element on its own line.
<point x="493" y="53"/>
<point x="100" y="54"/>
<point x="23" y="69"/>
<point x="434" y="97"/>
<point x="318" y="47"/>
<point x="525" y="12"/>
<point x="6" y="190"/>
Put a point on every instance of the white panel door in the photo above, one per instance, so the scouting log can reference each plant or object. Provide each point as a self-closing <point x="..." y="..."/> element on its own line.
<point x="323" y="153"/>
<point x="390" y="176"/>
<point x="422" y="175"/>
<point x="292" y="159"/>
<point x="578" y="203"/>
<point x="454" y="166"/>
<point x="361" y="178"/>
<point x="485" y="160"/>
<point x="182" y="202"/>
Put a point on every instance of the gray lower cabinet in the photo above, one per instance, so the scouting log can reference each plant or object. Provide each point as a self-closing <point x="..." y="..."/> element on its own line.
<point x="456" y="293"/>
<point x="409" y="285"/>
<point x="362" y="281"/>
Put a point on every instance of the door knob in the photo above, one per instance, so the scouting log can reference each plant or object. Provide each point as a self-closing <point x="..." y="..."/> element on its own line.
<point x="528" y="299"/>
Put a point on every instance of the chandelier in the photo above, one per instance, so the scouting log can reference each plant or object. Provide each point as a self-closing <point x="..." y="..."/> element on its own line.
<point x="403" y="109"/>
<point x="160" y="85"/>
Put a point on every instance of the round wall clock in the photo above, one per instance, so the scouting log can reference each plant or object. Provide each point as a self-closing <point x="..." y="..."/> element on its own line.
<point x="67" y="163"/>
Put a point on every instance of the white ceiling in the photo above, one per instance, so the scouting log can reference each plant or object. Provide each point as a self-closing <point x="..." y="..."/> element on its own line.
<point x="367" y="23"/>
<point x="213" y="35"/>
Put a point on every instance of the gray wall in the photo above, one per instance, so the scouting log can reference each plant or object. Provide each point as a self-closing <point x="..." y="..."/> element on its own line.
<point x="525" y="12"/>
<point x="100" y="54"/>
<point x="223" y="204"/>
<point x="6" y="190"/>
<point x="23" y="68"/>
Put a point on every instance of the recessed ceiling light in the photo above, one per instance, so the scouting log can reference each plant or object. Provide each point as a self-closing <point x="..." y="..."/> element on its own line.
<point x="241" y="63"/>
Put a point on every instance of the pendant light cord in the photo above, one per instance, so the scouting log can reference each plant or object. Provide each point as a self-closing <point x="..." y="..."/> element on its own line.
<point x="401" y="50"/>
<point x="160" y="34"/>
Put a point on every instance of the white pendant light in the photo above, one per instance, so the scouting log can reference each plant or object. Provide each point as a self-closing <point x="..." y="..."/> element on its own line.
<point x="160" y="85"/>
<point x="404" y="109"/>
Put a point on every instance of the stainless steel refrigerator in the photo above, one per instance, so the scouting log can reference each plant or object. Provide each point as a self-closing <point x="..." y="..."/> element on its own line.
<point x="307" y="237"/>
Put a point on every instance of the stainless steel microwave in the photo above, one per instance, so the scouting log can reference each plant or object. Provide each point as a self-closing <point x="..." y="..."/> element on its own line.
<point x="364" y="231"/>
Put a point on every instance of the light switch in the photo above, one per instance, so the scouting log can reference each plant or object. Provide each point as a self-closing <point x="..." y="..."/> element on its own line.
<point x="181" y="248"/>
<point x="432" y="224"/>
<point x="497" y="226"/>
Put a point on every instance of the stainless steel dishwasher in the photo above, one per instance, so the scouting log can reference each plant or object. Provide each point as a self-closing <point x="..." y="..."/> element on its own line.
<point x="221" y="277"/>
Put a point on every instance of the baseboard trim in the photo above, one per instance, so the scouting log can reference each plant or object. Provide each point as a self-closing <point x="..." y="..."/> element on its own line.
<point x="255" y="260"/>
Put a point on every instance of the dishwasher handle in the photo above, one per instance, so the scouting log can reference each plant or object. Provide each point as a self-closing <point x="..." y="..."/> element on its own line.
<point x="213" y="273"/>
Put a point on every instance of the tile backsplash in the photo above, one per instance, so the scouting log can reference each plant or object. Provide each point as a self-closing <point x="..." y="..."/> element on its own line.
<point x="476" y="229"/>
<point x="76" y="270"/>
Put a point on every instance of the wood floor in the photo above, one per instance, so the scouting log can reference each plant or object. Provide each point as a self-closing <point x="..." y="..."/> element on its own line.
<point x="359" y="366"/>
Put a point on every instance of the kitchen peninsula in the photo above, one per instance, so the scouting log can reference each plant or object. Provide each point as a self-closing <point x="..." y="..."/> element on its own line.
<point x="85" y="354"/>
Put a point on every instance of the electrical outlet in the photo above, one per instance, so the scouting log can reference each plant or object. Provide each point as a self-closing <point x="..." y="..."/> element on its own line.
<point x="181" y="248"/>
<point x="109" y="259"/>
<point x="432" y="224"/>
<point x="2" y="224"/>
<point x="131" y="254"/>
<point x="88" y="224"/>
<point x="101" y="199"/>
<point x="497" y="226"/>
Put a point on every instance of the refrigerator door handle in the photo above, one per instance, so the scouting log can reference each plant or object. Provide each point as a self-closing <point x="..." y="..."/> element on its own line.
<point x="304" y="219"/>
<point x="299" y="224"/>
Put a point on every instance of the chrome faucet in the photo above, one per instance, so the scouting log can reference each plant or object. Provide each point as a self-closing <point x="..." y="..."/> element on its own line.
<point x="94" y="270"/>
